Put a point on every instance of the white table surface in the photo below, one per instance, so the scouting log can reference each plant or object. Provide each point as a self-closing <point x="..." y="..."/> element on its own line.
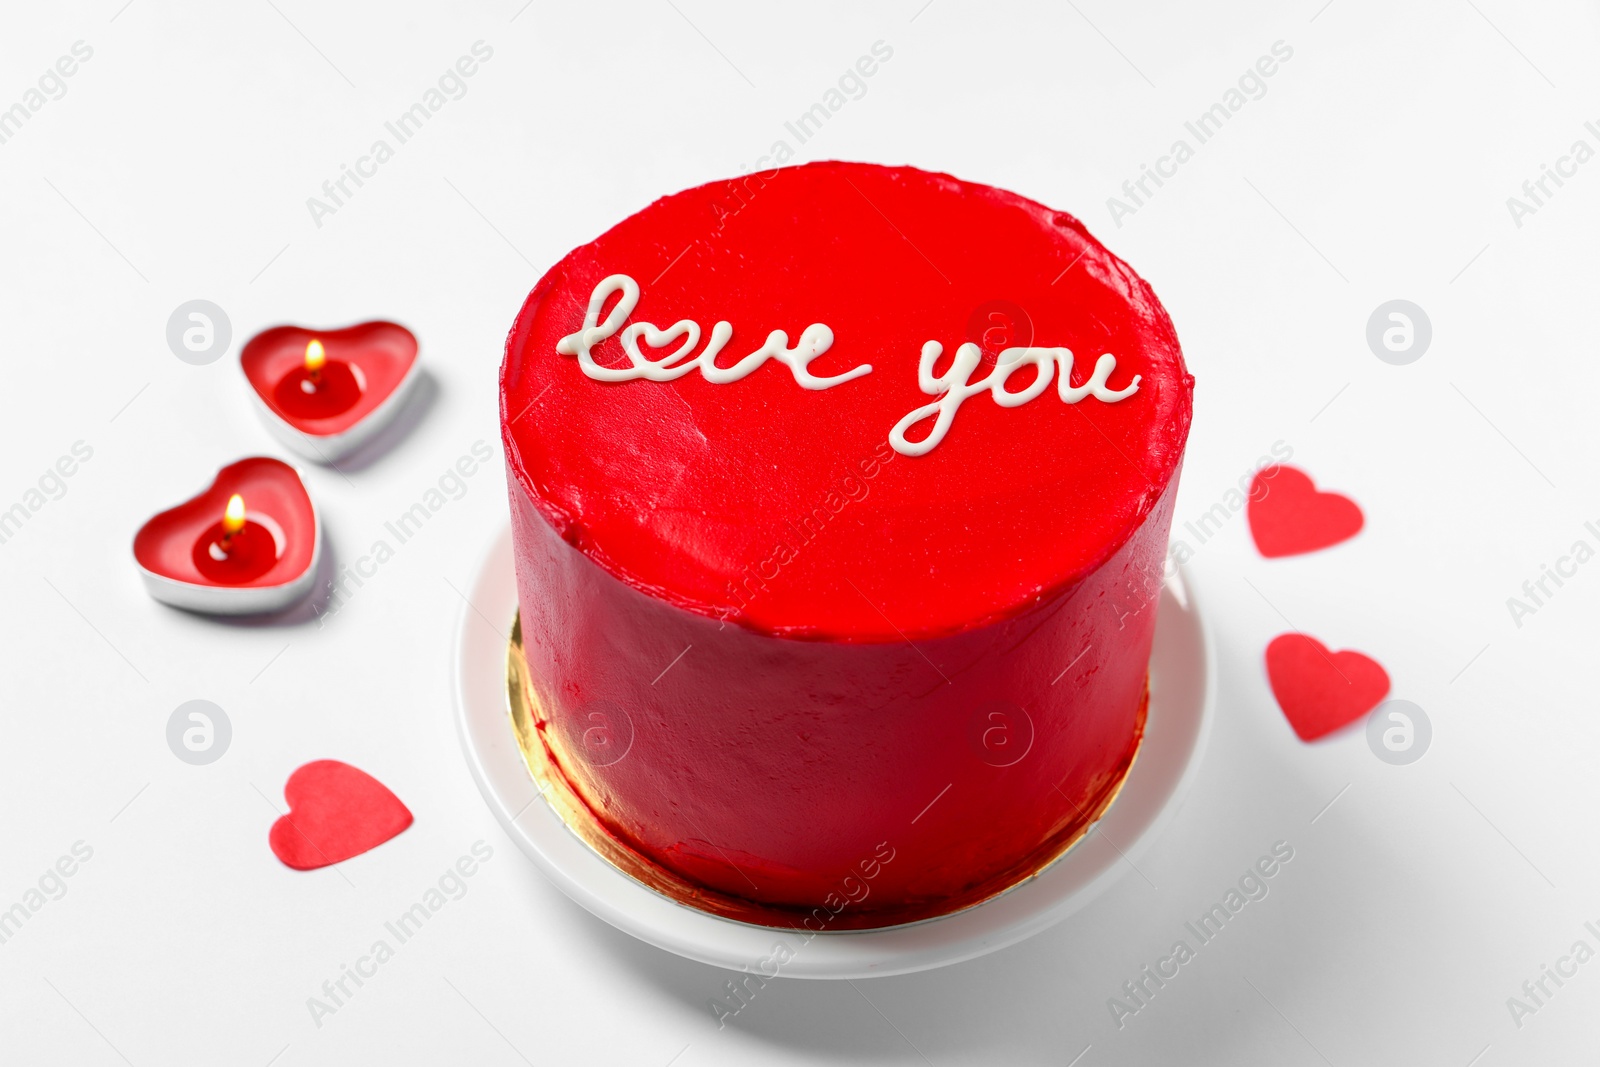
<point x="176" y="166"/>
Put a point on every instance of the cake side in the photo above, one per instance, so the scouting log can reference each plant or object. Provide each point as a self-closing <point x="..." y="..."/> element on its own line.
<point x="770" y="769"/>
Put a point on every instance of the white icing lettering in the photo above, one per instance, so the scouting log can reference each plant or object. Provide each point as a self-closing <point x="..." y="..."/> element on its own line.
<point x="814" y="340"/>
<point x="955" y="386"/>
<point x="952" y="388"/>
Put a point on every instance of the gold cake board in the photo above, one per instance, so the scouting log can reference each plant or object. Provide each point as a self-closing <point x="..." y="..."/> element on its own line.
<point x="544" y="754"/>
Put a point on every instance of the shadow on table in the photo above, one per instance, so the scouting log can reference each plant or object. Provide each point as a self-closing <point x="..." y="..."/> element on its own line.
<point x="424" y="395"/>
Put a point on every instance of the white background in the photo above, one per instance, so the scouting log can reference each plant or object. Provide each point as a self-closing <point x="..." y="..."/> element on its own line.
<point x="177" y="165"/>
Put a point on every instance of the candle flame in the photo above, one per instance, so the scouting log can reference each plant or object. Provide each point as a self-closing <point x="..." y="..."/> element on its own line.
<point x="316" y="358"/>
<point x="233" y="517"/>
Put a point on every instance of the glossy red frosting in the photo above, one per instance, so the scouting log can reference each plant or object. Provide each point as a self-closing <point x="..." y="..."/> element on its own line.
<point x="806" y="633"/>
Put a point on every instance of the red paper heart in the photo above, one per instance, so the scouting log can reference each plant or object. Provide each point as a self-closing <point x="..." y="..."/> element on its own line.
<point x="274" y="496"/>
<point x="1320" y="691"/>
<point x="1288" y="516"/>
<point x="335" y="812"/>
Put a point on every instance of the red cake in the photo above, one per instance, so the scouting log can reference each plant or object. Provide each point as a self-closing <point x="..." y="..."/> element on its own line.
<point x="840" y="496"/>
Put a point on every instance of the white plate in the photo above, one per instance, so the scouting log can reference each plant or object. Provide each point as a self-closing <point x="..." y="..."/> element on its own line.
<point x="1182" y="678"/>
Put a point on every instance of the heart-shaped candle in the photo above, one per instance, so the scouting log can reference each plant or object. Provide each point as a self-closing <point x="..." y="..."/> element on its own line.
<point x="325" y="393"/>
<point x="248" y="544"/>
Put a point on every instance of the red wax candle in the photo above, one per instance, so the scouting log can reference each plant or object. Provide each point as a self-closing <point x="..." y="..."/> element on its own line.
<point x="249" y="543"/>
<point x="236" y="550"/>
<point x="320" y="388"/>
<point x="324" y="393"/>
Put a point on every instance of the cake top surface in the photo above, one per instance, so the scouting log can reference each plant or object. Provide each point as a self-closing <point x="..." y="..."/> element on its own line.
<point x="971" y="402"/>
